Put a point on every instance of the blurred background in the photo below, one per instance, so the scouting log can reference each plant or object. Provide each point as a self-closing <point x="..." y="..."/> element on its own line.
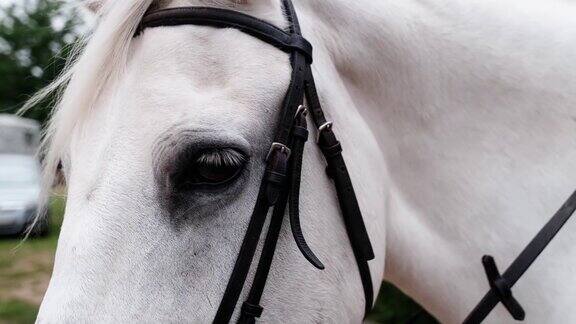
<point x="36" y="37"/>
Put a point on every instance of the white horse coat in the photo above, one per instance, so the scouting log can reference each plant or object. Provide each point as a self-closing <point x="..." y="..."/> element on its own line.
<point x="458" y="128"/>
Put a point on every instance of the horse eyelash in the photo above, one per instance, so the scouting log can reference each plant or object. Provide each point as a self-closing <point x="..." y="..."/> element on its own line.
<point x="223" y="157"/>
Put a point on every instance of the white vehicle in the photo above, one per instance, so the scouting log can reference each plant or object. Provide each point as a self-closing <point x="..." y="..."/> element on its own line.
<point x="18" y="135"/>
<point x="19" y="175"/>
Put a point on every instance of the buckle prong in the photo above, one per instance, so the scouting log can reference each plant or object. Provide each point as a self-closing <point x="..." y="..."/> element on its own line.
<point x="302" y="110"/>
<point x="280" y="147"/>
<point x="324" y="127"/>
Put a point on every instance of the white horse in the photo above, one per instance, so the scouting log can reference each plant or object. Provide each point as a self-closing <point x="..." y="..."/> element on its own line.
<point x="458" y="125"/>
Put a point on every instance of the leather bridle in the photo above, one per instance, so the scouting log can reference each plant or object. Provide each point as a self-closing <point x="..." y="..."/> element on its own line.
<point x="280" y="184"/>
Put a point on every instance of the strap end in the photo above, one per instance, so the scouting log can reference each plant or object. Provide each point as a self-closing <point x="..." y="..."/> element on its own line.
<point x="500" y="285"/>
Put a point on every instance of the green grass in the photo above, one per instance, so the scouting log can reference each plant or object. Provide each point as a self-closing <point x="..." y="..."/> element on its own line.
<point x="24" y="264"/>
<point x="17" y="312"/>
<point x="25" y="261"/>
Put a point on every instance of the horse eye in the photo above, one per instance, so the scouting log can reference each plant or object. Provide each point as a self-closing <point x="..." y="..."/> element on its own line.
<point x="212" y="168"/>
<point x="211" y="173"/>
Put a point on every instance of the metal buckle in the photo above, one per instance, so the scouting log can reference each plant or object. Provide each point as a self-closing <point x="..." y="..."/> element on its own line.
<point x="322" y="128"/>
<point x="280" y="147"/>
<point x="302" y="110"/>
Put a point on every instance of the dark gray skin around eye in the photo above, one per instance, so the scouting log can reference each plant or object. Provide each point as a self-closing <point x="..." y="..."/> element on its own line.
<point x="202" y="177"/>
<point x="183" y="158"/>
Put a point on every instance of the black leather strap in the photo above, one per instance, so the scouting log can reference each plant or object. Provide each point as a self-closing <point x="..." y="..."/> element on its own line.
<point x="244" y="259"/>
<point x="247" y="316"/>
<point x="502" y="288"/>
<point x="332" y="150"/>
<point x="269" y="248"/>
<point x="223" y="18"/>
<point x="300" y="137"/>
<point x="501" y="285"/>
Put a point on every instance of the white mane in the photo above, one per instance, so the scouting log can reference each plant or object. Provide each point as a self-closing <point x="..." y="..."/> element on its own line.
<point x="96" y="60"/>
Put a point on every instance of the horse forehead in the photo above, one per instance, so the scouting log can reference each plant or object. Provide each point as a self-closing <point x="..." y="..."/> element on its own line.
<point x="268" y="10"/>
<point x="197" y="60"/>
<point x="216" y="58"/>
<point x="189" y="74"/>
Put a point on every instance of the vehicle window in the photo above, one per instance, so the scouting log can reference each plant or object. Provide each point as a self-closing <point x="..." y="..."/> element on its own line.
<point x="18" y="171"/>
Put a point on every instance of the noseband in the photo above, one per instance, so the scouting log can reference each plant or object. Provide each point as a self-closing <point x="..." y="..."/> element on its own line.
<point x="280" y="184"/>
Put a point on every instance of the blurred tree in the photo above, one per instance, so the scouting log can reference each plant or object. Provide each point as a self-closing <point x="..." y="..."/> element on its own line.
<point x="35" y="39"/>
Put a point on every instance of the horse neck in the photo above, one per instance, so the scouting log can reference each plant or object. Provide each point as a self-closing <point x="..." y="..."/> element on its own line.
<point x="410" y="64"/>
<point x="469" y="106"/>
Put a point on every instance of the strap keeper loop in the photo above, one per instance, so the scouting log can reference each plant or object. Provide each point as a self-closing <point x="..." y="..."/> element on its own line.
<point x="252" y="310"/>
<point x="301" y="132"/>
<point x="276" y="178"/>
<point x="332" y="151"/>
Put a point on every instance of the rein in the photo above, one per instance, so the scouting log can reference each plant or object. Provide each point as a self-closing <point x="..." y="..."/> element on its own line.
<point x="280" y="184"/>
<point x="501" y="285"/>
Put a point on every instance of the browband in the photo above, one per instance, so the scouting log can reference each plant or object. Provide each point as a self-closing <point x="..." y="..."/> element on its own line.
<point x="223" y="18"/>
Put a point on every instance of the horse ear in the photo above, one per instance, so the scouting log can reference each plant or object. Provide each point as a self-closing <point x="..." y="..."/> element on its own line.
<point x="94" y="5"/>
